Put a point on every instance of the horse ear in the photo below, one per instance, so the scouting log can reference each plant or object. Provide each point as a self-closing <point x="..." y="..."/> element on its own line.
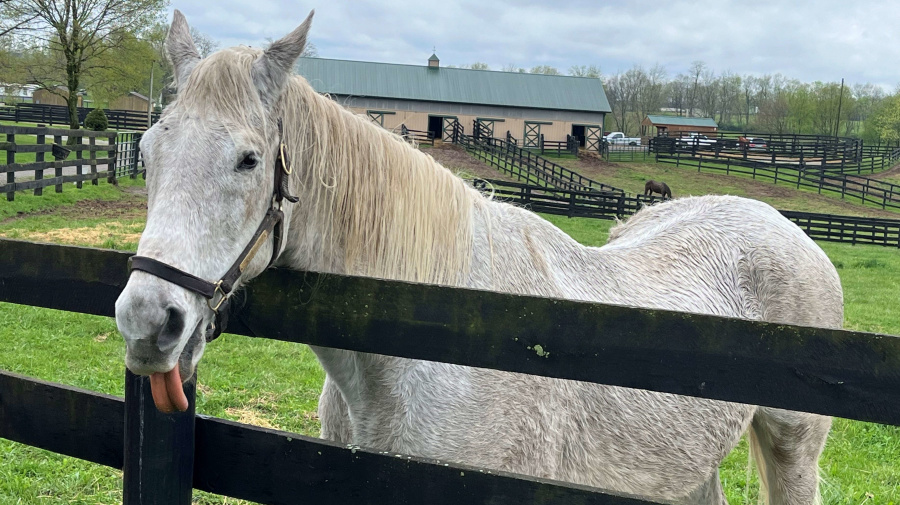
<point x="272" y="69"/>
<point x="180" y="47"/>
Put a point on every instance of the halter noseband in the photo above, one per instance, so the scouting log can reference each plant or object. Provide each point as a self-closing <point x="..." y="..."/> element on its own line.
<point x="219" y="293"/>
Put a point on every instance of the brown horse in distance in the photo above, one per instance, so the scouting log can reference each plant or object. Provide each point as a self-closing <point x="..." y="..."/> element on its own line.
<point x="657" y="187"/>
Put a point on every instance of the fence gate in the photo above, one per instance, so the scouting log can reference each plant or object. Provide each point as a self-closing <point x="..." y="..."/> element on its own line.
<point x="483" y="128"/>
<point x="450" y="126"/>
<point x="592" y="137"/>
<point x="532" y="137"/>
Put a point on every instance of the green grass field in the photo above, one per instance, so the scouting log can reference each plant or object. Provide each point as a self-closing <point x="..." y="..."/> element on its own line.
<point x="276" y="384"/>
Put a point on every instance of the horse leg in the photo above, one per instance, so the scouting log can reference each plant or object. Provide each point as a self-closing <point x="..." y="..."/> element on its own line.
<point x="710" y="493"/>
<point x="786" y="446"/>
<point x="333" y="414"/>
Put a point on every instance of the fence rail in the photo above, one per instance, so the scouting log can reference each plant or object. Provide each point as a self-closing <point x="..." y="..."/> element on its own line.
<point x="866" y="190"/>
<point x="421" y="137"/>
<point x="59" y="115"/>
<point x="703" y="356"/>
<point x="86" y="163"/>
<point x="526" y="165"/>
<point x="828" y="227"/>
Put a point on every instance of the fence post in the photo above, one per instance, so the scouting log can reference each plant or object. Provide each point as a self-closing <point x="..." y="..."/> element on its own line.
<point x="39" y="158"/>
<point x="159" y="448"/>
<point x="93" y="157"/>
<point x="57" y="165"/>
<point x="10" y="159"/>
<point x="79" y="156"/>
<point x="112" y="157"/>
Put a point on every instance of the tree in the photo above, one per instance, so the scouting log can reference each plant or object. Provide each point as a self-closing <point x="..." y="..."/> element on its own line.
<point x="585" y="71"/>
<point x="544" y="69"/>
<point x="884" y="124"/>
<point x="697" y="69"/>
<point x="512" y="67"/>
<point x="204" y="43"/>
<point x="75" y="35"/>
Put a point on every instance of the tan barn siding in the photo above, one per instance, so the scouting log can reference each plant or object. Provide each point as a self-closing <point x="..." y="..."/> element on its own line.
<point x="129" y="102"/>
<point x="44" y="97"/>
<point x="415" y="117"/>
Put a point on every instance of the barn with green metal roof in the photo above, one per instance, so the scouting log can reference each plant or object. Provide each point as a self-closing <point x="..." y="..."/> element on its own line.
<point x="676" y="126"/>
<point x="429" y="97"/>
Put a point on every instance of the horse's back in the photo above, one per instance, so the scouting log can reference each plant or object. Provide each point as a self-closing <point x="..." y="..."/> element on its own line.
<point x="732" y="247"/>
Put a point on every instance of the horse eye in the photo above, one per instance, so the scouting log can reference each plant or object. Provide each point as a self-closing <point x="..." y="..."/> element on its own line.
<point x="248" y="162"/>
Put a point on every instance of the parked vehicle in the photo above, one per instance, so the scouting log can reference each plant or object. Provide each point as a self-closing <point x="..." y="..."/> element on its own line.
<point x="696" y="139"/>
<point x="619" y="138"/>
<point x="757" y="144"/>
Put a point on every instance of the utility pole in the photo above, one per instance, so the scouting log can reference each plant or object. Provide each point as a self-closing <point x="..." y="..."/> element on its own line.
<point x="837" y="125"/>
<point x="150" y="96"/>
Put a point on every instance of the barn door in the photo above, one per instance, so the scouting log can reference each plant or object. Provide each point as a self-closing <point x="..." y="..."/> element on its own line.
<point x="592" y="137"/>
<point x="532" y="137"/>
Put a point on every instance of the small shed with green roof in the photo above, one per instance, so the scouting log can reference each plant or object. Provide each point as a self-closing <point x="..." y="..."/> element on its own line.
<point x="676" y="126"/>
<point x="429" y="97"/>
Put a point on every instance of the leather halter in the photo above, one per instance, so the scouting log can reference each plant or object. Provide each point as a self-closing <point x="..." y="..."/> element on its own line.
<point x="218" y="293"/>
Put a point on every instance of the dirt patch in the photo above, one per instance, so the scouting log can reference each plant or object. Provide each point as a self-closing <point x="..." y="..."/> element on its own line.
<point x="88" y="235"/>
<point x="457" y="160"/>
<point x="133" y="207"/>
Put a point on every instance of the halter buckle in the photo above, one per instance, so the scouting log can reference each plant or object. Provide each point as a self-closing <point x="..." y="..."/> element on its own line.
<point x="222" y="297"/>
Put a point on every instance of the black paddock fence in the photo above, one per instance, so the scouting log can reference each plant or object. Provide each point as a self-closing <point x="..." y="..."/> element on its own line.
<point x="73" y="156"/>
<point x="528" y="167"/>
<point x="419" y="136"/>
<point x="59" y="115"/>
<point x="841" y="373"/>
<point x="33" y="151"/>
<point x="835" y="155"/>
<point x="846" y="185"/>
<point x="592" y="204"/>
<point x="610" y="205"/>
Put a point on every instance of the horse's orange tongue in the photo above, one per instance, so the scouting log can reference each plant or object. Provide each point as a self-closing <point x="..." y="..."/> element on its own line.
<point x="168" y="393"/>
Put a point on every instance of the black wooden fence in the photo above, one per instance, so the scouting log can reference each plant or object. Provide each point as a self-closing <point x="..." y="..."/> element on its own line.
<point x="832" y="372"/>
<point x="592" y="204"/>
<point x="30" y="153"/>
<point x="51" y="150"/>
<point x="128" y="158"/>
<point x="609" y="205"/>
<point x="59" y="115"/>
<point x="419" y="136"/>
<point x="527" y="166"/>
<point x="848" y="186"/>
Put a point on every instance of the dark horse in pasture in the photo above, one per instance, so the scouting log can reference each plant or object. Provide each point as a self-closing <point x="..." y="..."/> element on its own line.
<point x="657" y="187"/>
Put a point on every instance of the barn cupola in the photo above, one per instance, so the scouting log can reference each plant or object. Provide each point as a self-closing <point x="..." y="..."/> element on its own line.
<point x="434" y="61"/>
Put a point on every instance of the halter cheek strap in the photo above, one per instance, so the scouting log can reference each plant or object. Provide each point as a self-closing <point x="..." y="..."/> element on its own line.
<point x="219" y="293"/>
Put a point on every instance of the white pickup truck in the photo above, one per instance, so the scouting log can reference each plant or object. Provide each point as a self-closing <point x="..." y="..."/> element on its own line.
<point x="619" y="138"/>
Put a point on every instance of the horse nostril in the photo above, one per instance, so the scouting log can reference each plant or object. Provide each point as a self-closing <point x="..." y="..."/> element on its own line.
<point x="171" y="330"/>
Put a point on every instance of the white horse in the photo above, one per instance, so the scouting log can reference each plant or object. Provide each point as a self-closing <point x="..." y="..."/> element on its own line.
<point x="369" y="204"/>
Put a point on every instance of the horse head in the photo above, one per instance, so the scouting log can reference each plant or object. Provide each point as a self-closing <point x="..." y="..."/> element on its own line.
<point x="215" y="202"/>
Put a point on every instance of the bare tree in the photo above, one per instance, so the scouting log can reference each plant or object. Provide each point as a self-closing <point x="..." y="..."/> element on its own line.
<point x="697" y="69"/>
<point x="585" y="71"/>
<point x="76" y="34"/>
<point x="204" y="43"/>
<point x="544" y="69"/>
<point x="479" y="65"/>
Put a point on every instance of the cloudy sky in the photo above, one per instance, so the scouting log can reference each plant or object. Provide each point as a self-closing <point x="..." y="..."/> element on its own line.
<point x="821" y="40"/>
